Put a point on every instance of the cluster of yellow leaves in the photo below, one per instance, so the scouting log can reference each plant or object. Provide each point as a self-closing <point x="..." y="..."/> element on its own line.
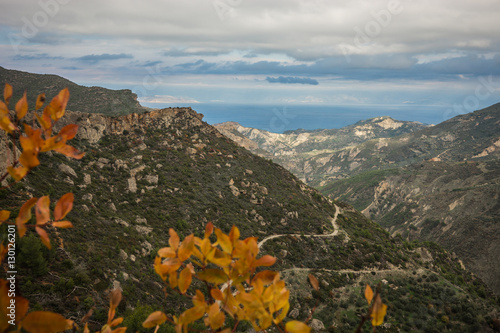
<point x="37" y="140"/>
<point x="228" y="267"/>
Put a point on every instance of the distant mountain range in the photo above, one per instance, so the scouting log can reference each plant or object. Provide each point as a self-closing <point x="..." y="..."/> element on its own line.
<point x="439" y="183"/>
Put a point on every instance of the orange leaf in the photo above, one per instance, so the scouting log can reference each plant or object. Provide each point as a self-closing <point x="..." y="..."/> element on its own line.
<point x="44" y="237"/>
<point x="22" y="107"/>
<point x="295" y="326"/>
<point x="209" y="229"/>
<point x="115" y="299"/>
<point x="45" y="322"/>
<point x="217" y="294"/>
<point x="24" y="216"/>
<point x="378" y="311"/>
<point x="190" y="315"/>
<point x="211" y="275"/>
<point x="368" y="294"/>
<point x="173" y="280"/>
<point x="266" y="276"/>
<point x="186" y="248"/>
<point x="156" y="318"/>
<point x="57" y="106"/>
<point x="166" y="252"/>
<point x="234" y="234"/>
<point x="69" y="131"/>
<point x="7" y="93"/>
<point x="46" y="124"/>
<point x="63" y="224"/>
<point x="39" y="101"/>
<point x="116" y="322"/>
<point x="5" y="122"/>
<point x="314" y="282"/>
<point x="266" y="260"/>
<point x="224" y="241"/>
<point x="174" y="240"/>
<point x="185" y="278"/>
<point x="42" y="210"/>
<point x="4" y="215"/>
<point x="63" y="206"/>
<point x="70" y="151"/>
<point x="119" y="330"/>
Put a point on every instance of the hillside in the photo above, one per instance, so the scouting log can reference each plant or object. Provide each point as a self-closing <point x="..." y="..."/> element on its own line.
<point x="302" y="151"/>
<point x="83" y="99"/>
<point x="167" y="168"/>
<point x="438" y="183"/>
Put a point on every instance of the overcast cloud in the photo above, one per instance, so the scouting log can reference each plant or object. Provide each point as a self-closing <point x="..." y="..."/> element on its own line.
<point x="345" y="51"/>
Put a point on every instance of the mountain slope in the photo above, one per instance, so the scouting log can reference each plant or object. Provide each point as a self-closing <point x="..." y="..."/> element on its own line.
<point x="146" y="173"/>
<point x="84" y="99"/>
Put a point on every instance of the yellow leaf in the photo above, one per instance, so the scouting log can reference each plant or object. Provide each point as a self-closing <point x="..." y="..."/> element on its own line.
<point x="212" y="275"/>
<point x="185" y="278"/>
<point x="5" y="122"/>
<point x="234" y="235"/>
<point x="17" y="173"/>
<point x="45" y="322"/>
<point x="217" y="294"/>
<point x="368" y="294"/>
<point x="24" y="216"/>
<point x="224" y="241"/>
<point x="166" y="252"/>
<point x="295" y="326"/>
<point x="116" y="322"/>
<point x="156" y="318"/>
<point x="186" y="248"/>
<point x="7" y="93"/>
<point x="174" y="240"/>
<point x="266" y="276"/>
<point x="190" y="315"/>
<point x="43" y="237"/>
<point x="4" y="215"/>
<point x="42" y="210"/>
<point x="173" y="280"/>
<point x="22" y="107"/>
<point x="314" y="282"/>
<point x="39" y="101"/>
<point x="63" y="206"/>
<point x="62" y="224"/>
<point x="378" y="311"/>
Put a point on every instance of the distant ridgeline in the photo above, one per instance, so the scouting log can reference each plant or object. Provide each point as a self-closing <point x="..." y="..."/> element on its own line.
<point x="84" y="99"/>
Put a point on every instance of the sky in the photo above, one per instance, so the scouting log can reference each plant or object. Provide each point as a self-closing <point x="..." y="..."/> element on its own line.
<point x="434" y="55"/>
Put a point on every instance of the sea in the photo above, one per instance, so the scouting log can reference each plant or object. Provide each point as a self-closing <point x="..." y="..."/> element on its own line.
<point x="280" y="118"/>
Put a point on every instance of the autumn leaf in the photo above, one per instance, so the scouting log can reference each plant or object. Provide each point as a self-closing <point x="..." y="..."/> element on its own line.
<point x="39" y="101"/>
<point x="224" y="241"/>
<point x="70" y="151"/>
<point x="62" y="224"/>
<point x="209" y="229"/>
<point x="43" y="237"/>
<point x="42" y="210"/>
<point x="5" y="122"/>
<point x="368" y="294"/>
<point x="57" y="106"/>
<point x="266" y="260"/>
<point x="46" y="322"/>
<point x="313" y="281"/>
<point x="174" y="240"/>
<point x="295" y="326"/>
<point x="154" y="319"/>
<point x="378" y="311"/>
<point x="69" y="131"/>
<point x="24" y="216"/>
<point x="185" y="278"/>
<point x="212" y="275"/>
<point x="7" y="93"/>
<point x="4" y="215"/>
<point x="22" y="107"/>
<point x="63" y="206"/>
<point x="217" y="294"/>
<point x="186" y="248"/>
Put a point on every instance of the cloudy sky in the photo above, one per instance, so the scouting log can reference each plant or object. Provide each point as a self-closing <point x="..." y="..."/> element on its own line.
<point x="430" y="54"/>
